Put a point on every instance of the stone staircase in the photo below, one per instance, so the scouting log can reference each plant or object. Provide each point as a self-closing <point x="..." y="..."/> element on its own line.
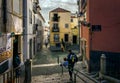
<point x="53" y="74"/>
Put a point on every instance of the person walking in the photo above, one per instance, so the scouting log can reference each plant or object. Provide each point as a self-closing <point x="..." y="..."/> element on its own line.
<point x="46" y="43"/>
<point x="16" y="63"/>
<point x="65" y="63"/>
<point x="63" y="45"/>
<point x="72" y="59"/>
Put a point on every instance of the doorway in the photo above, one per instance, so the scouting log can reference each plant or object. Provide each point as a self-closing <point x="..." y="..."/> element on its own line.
<point x="66" y="37"/>
<point x="30" y="48"/>
<point x="74" y="39"/>
<point x="15" y="45"/>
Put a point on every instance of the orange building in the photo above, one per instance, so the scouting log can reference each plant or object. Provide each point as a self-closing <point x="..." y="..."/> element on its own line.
<point x="100" y="34"/>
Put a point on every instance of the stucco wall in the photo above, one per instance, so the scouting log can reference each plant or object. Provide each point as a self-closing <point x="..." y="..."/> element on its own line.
<point x="65" y="18"/>
<point x="105" y="13"/>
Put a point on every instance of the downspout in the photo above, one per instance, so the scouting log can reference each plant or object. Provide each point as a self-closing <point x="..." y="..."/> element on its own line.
<point x="79" y="8"/>
<point x="25" y="53"/>
<point x="4" y="9"/>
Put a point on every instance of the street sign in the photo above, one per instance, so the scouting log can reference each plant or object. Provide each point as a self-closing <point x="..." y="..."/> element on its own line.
<point x="96" y="28"/>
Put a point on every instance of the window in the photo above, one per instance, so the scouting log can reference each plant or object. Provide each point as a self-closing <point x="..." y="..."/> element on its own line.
<point x="34" y="19"/>
<point x="66" y="37"/>
<point x="30" y="48"/>
<point x="56" y="37"/>
<point x="66" y="26"/>
<point x="30" y="16"/>
<point x="16" y="6"/>
<point x="55" y="17"/>
<point x="34" y="46"/>
<point x="39" y="22"/>
<point x="55" y="25"/>
<point x="71" y="20"/>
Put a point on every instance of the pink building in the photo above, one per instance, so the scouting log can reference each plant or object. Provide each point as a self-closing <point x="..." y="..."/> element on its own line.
<point x="102" y="35"/>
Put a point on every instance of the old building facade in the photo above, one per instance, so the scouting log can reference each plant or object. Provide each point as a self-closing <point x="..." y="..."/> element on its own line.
<point x="11" y="34"/>
<point x="74" y="29"/>
<point x="19" y="29"/>
<point x="60" y="28"/>
<point x="100" y="31"/>
<point x="39" y="36"/>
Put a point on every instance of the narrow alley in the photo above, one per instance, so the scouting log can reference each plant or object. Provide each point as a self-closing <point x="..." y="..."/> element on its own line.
<point x="46" y="68"/>
<point x="59" y="41"/>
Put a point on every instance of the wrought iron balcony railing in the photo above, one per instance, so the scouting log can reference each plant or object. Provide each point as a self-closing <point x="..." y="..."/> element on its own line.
<point x="55" y="19"/>
<point x="55" y="29"/>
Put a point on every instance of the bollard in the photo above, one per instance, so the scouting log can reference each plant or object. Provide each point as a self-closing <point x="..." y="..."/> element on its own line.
<point x="28" y="71"/>
<point x="103" y="64"/>
<point x="58" y="59"/>
<point x="62" y="69"/>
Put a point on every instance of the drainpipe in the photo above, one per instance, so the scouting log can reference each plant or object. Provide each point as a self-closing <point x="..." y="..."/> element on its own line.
<point x="25" y="52"/>
<point x="27" y="61"/>
<point x="78" y="3"/>
<point x="4" y="8"/>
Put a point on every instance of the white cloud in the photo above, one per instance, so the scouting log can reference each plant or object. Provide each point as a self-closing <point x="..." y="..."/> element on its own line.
<point x="48" y="5"/>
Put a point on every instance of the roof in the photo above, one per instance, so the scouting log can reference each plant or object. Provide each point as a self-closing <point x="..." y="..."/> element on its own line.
<point x="59" y="10"/>
<point x="73" y="15"/>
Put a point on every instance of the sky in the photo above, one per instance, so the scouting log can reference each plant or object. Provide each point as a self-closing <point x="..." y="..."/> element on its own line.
<point x="48" y="5"/>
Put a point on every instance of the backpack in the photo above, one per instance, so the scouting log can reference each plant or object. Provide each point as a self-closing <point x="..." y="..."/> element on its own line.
<point x="73" y="58"/>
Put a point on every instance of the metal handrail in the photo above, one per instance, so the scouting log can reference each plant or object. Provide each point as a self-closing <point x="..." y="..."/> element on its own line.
<point x="76" y="72"/>
<point x="87" y="76"/>
<point x="7" y="76"/>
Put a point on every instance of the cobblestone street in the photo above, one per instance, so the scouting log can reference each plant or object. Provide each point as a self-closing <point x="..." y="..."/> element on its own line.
<point x="45" y="68"/>
<point x="45" y="56"/>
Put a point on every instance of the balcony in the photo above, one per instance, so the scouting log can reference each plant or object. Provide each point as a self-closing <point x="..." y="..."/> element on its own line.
<point x="55" y="19"/>
<point x="55" y="29"/>
<point x="34" y="7"/>
<point x="35" y="28"/>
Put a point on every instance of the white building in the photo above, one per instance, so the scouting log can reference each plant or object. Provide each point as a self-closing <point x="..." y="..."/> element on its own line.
<point x="30" y="27"/>
<point x="46" y="33"/>
<point x="10" y="35"/>
<point x="40" y="21"/>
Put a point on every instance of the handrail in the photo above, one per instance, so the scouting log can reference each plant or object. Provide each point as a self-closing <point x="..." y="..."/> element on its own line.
<point x="10" y="77"/>
<point x="87" y="76"/>
<point x="75" y="72"/>
<point x="9" y="70"/>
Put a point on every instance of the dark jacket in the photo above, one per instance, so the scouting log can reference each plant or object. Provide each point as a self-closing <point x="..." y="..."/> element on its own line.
<point x="72" y="58"/>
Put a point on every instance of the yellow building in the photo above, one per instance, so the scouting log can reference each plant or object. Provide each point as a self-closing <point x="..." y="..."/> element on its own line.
<point x="74" y="29"/>
<point x="60" y="26"/>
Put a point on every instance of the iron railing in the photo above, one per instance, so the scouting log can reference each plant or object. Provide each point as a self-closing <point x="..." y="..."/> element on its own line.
<point x="10" y="76"/>
<point x="79" y="74"/>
